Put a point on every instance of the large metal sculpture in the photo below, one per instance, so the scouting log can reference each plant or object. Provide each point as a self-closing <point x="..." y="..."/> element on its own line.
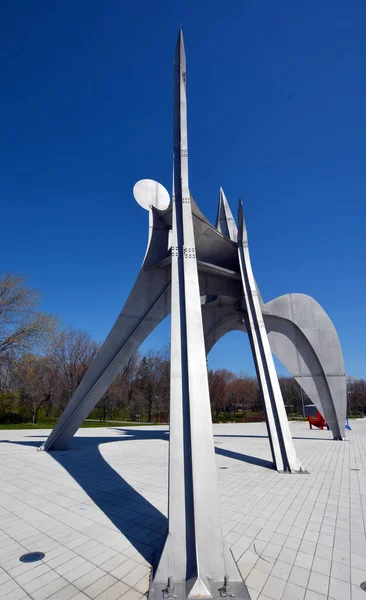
<point x="202" y="274"/>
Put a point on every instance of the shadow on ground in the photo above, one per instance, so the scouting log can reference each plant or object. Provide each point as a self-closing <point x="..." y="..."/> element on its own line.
<point x="294" y="437"/>
<point x="136" y="518"/>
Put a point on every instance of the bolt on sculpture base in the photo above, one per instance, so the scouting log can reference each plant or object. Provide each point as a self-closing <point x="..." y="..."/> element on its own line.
<point x="202" y="274"/>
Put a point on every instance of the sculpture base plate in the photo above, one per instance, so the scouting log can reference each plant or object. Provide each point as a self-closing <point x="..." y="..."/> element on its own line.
<point x="238" y="590"/>
<point x="300" y="472"/>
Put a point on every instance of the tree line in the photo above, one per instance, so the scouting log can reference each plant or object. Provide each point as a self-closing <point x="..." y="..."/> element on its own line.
<point x="42" y="363"/>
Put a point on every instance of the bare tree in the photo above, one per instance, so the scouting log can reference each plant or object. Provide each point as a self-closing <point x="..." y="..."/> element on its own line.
<point x="73" y="351"/>
<point x="242" y="393"/>
<point x="110" y="398"/>
<point x="152" y="380"/>
<point x="356" y="395"/>
<point x="37" y="382"/>
<point x="219" y="386"/>
<point x="291" y="393"/>
<point x="22" y="326"/>
<point x="7" y="372"/>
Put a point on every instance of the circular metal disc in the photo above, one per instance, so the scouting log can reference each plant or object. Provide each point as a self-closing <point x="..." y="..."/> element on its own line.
<point x="363" y="586"/>
<point x="148" y="193"/>
<point x="32" y="557"/>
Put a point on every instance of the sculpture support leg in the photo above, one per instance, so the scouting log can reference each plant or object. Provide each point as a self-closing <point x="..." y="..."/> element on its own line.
<point x="282" y="446"/>
<point x="194" y="563"/>
<point x="140" y="315"/>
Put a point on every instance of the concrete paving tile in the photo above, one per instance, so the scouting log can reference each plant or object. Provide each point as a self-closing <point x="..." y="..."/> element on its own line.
<point x="299" y="576"/>
<point x="357" y="561"/>
<point x="297" y="532"/>
<point x="321" y="565"/>
<point x="66" y="593"/>
<point x="99" y="586"/>
<point x="274" y="587"/>
<point x="278" y="539"/>
<point x="115" y="592"/>
<point x="40" y="582"/>
<point x="287" y="555"/>
<point x="70" y="565"/>
<point x="247" y="562"/>
<point x="293" y="592"/>
<point x="310" y="595"/>
<point x="89" y="578"/>
<point x="307" y="547"/>
<point x="258" y="546"/>
<point x="341" y="571"/>
<point x="281" y="570"/>
<point x="136" y="575"/>
<point x="304" y="560"/>
<point x="114" y="562"/>
<point x="342" y="556"/>
<point x="131" y="595"/>
<point x="357" y="593"/>
<point x="311" y="536"/>
<point x="339" y="590"/>
<point x="326" y="540"/>
<point x="272" y="550"/>
<point x="143" y="585"/>
<point x="125" y="568"/>
<point x="264" y="564"/>
<point x="8" y="588"/>
<point x="325" y="552"/>
<point x="38" y="571"/>
<point x="319" y="583"/>
<point x="79" y="571"/>
<point x="256" y="579"/>
<point x="358" y="575"/>
<point x="293" y="543"/>
<point x="103" y="557"/>
<point x="254" y="595"/>
<point x="4" y="577"/>
<point x="46" y="591"/>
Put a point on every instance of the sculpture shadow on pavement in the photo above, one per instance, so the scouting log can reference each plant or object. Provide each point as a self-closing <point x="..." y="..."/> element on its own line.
<point x="128" y="510"/>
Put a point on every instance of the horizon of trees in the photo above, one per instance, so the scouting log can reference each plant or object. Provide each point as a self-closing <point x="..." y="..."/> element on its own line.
<point x="42" y="363"/>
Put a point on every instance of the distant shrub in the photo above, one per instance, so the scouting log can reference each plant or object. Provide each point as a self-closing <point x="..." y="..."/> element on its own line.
<point x="12" y="418"/>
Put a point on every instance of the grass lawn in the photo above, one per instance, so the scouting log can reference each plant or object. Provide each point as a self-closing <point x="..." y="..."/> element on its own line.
<point x="51" y="424"/>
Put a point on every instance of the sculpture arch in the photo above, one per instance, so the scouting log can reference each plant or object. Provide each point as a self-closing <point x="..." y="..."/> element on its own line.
<point x="292" y="347"/>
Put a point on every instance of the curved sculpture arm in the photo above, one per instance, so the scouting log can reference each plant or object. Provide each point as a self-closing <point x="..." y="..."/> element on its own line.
<point x="326" y="387"/>
<point x="313" y="355"/>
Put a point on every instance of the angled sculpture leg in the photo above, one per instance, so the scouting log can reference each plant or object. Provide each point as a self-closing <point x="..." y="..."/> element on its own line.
<point x="282" y="446"/>
<point x="146" y="307"/>
<point x="304" y="339"/>
<point x="219" y="320"/>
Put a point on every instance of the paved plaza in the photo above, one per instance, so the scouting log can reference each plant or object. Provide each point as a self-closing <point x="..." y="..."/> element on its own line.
<point x="98" y="512"/>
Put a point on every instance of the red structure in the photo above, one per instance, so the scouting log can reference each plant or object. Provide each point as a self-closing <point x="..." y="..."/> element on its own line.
<point x="318" y="421"/>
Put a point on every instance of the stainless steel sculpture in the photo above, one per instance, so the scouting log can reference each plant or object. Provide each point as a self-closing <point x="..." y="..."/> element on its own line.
<point x="202" y="274"/>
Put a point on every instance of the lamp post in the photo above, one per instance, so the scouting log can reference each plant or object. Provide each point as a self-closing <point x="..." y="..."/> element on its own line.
<point x="302" y="402"/>
<point x="349" y="392"/>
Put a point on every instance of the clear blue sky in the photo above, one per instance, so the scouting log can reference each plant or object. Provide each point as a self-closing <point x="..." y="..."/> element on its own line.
<point x="277" y="105"/>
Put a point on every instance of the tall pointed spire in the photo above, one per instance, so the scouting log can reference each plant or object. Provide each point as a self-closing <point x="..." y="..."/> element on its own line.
<point x="194" y="563"/>
<point x="225" y="222"/>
